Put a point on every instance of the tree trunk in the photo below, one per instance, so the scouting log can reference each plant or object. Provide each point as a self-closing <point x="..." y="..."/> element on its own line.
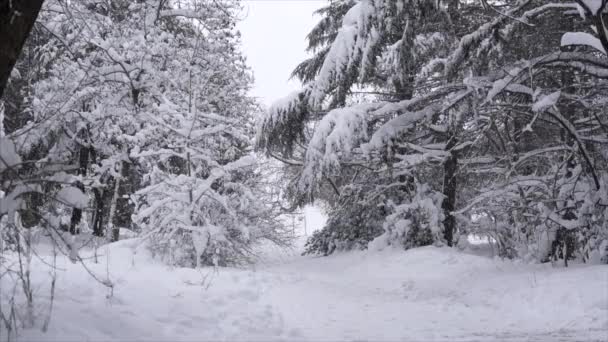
<point x="83" y="163"/>
<point x="17" y="18"/>
<point x="449" y="191"/>
<point x="128" y="184"/>
<point x="98" y="218"/>
<point x="113" y="232"/>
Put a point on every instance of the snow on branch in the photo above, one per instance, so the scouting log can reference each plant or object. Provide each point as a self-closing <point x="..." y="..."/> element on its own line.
<point x="546" y="102"/>
<point x="527" y="15"/>
<point x="186" y="13"/>
<point x="73" y="197"/>
<point x="13" y="200"/>
<point x="455" y="59"/>
<point x="349" y="49"/>
<point x="496" y="191"/>
<point x="539" y="152"/>
<point x="593" y="6"/>
<point x="425" y="154"/>
<point x="336" y="135"/>
<point x="596" y="9"/>
<point x="582" y="38"/>
<point x="449" y="95"/>
<point x="396" y="126"/>
<point x="284" y="122"/>
<point x="584" y="62"/>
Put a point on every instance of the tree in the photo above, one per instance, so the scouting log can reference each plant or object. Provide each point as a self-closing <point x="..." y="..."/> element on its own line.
<point x="148" y="99"/>
<point x="16" y="21"/>
<point x="448" y="111"/>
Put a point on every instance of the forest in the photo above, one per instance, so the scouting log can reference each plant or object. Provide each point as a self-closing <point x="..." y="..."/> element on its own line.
<point x="458" y="150"/>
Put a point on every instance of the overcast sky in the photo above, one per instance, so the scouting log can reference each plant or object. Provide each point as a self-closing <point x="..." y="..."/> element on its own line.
<point x="273" y="34"/>
<point x="274" y="41"/>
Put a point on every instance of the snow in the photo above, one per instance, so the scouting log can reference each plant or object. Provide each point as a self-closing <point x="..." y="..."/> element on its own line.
<point x="546" y="102"/>
<point x="73" y="197"/>
<point x="593" y="5"/>
<point x="314" y="219"/>
<point x="396" y="126"/>
<point x="582" y="38"/>
<point x="501" y="84"/>
<point x="430" y="294"/>
<point x="12" y="201"/>
<point x="336" y="135"/>
<point x="351" y="46"/>
<point x="8" y="155"/>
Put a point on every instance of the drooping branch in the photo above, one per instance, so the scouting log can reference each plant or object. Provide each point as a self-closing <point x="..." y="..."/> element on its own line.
<point x="572" y="130"/>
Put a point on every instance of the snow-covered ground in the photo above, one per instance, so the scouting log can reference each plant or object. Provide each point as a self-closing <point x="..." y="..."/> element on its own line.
<point x="428" y="294"/>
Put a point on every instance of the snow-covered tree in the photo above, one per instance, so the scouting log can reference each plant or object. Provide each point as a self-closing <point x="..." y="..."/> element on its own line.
<point x="459" y="94"/>
<point x="142" y="102"/>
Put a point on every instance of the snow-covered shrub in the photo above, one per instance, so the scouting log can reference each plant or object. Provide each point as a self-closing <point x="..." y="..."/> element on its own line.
<point x="558" y="216"/>
<point x="155" y="112"/>
<point x="347" y="229"/>
<point x="352" y="221"/>
<point x="591" y="235"/>
<point x="413" y="224"/>
<point x="213" y="221"/>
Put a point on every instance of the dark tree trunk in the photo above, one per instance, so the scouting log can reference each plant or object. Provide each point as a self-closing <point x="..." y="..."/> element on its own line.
<point x="17" y="18"/>
<point x="98" y="219"/>
<point x="100" y="201"/>
<point x="83" y="164"/>
<point x="115" y="234"/>
<point x="449" y="191"/>
<point x="564" y="243"/>
<point x="128" y="185"/>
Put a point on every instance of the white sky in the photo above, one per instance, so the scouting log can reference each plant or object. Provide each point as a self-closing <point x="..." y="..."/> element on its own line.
<point x="273" y="34"/>
<point x="274" y="41"/>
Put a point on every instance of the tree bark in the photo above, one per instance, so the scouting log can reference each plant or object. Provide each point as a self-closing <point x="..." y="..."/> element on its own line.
<point x="17" y="18"/>
<point x="449" y="191"/>
<point x="83" y="163"/>
<point x="113" y="232"/>
<point x="99" y="206"/>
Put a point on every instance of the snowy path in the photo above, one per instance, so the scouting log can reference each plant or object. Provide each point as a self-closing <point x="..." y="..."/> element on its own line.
<point x="435" y="294"/>
<point x="429" y="294"/>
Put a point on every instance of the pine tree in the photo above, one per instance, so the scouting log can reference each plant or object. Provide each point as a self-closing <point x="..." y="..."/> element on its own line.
<point x="451" y="109"/>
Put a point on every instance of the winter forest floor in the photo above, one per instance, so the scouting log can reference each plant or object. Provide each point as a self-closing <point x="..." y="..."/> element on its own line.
<point x="427" y="294"/>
